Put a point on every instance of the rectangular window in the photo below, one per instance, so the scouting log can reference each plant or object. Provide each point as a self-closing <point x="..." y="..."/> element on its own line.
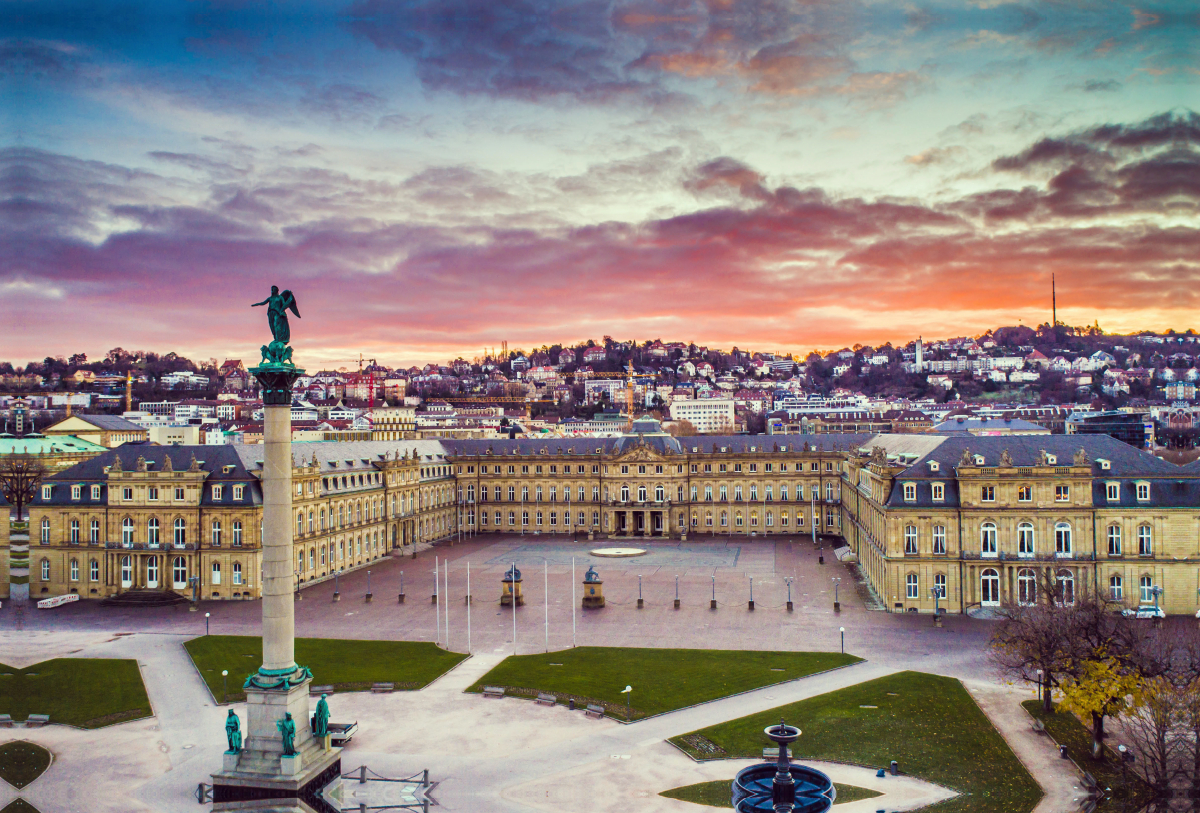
<point x="127" y="494"/>
<point x="95" y="492"/>
<point x="238" y="491"/>
<point x="1025" y="494"/>
<point x="216" y="492"/>
<point x="76" y="492"/>
<point x="910" y="492"/>
<point x="1113" y="492"/>
<point x="939" y="539"/>
<point x="910" y="586"/>
<point x="152" y="493"/>
<point x="910" y="540"/>
<point x="179" y="495"/>
<point x="987" y="493"/>
<point x="1062" y="493"/>
<point x="939" y="492"/>
<point x="1143" y="492"/>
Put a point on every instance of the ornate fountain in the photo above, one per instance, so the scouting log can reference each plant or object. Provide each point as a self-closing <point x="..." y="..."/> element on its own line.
<point x="782" y="787"/>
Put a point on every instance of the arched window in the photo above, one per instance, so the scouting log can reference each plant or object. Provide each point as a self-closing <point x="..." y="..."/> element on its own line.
<point x="1064" y="582"/>
<point x="179" y="572"/>
<point x="94" y="570"/>
<point x="770" y="519"/>
<point x="1062" y="540"/>
<point x="724" y="519"/>
<point x="152" y="571"/>
<point x="152" y="532"/>
<point x="910" y="539"/>
<point x="358" y="512"/>
<point x="299" y="524"/>
<point x="342" y="550"/>
<point x="987" y="539"/>
<point x="300" y="561"/>
<point x="1114" y="540"/>
<point x="45" y="570"/>
<point x="237" y="573"/>
<point x="1145" y="541"/>
<point x="911" y="589"/>
<point x="624" y="493"/>
<point x="989" y="584"/>
<point x="341" y="516"/>
<point x="180" y="533"/>
<point x="1116" y="587"/>
<point x="46" y="531"/>
<point x="939" y="583"/>
<point x="641" y="493"/>
<point x="1146" y="589"/>
<point x="1026" y="586"/>
<point x="1025" y="539"/>
<point x="322" y="556"/>
<point x="660" y="494"/>
<point x="216" y="573"/>
<point x="126" y="571"/>
<point x="74" y="570"/>
<point x="127" y="532"/>
<point x="75" y="531"/>
<point x="312" y="558"/>
<point x="216" y="533"/>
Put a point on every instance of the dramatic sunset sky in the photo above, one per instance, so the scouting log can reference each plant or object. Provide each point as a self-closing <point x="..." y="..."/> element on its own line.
<point x="431" y="178"/>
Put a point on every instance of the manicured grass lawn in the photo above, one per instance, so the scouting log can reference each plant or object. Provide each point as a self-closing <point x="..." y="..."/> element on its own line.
<point x="22" y="762"/>
<point x="717" y="794"/>
<point x="926" y="722"/>
<point x="346" y="665"/>
<point x="83" y="692"/>
<point x="662" y="679"/>
<point x="1065" y="729"/>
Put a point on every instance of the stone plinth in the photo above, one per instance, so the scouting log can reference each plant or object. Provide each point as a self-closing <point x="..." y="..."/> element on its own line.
<point x="510" y="589"/>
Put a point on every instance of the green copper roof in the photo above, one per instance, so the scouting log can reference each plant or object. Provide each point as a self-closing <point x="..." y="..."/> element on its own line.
<point x="60" y="444"/>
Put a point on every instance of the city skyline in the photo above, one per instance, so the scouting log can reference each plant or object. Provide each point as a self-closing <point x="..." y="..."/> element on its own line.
<point x="435" y="179"/>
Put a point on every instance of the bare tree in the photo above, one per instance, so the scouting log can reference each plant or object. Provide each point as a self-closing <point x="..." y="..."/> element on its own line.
<point x="1153" y="725"/>
<point x="20" y="475"/>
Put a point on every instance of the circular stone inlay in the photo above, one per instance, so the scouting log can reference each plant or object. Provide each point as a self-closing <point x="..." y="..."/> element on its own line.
<point x="614" y="553"/>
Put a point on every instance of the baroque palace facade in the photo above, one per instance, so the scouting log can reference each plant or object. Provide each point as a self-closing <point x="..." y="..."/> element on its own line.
<point x="979" y="518"/>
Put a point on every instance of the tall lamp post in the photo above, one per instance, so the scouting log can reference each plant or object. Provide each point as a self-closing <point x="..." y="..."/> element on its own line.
<point x="837" y="605"/>
<point x="938" y="592"/>
<point x="224" y="685"/>
<point x="206" y="616"/>
<point x="842" y="630"/>
<point x="628" y="692"/>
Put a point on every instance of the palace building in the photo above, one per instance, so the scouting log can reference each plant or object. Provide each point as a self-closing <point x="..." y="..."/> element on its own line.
<point x="978" y="519"/>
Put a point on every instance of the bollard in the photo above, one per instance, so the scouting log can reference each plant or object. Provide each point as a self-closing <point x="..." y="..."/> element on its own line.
<point x="337" y="595"/>
<point x="433" y="598"/>
<point x="676" y="604"/>
<point x="712" y="604"/>
<point x="1062" y="751"/>
<point x="895" y="768"/>
<point x="751" y="604"/>
<point x="837" y="606"/>
<point x="640" y="605"/>
<point x="790" y="606"/>
<point x="362" y="774"/>
<point x="400" y="598"/>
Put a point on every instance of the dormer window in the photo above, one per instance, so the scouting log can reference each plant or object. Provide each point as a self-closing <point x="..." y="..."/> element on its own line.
<point x="979" y="460"/>
<point x="76" y="492"/>
<point x="934" y="465"/>
<point x="216" y="492"/>
<point x="1112" y="491"/>
<point x="238" y="491"/>
<point x="939" y="492"/>
<point x="1143" y="492"/>
<point x="1105" y="465"/>
<point x="95" y="492"/>
<point x="46" y="491"/>
<point x="1052" y="460"/>
<point x="910" y="492"/>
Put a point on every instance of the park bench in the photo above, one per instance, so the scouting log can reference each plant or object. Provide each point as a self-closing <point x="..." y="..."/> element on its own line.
<point x="1039" y="727"/>
<point x="493" y="691"/>
<point x="37" y="720"/>
<point x="6" y="721"/>
<point x="382" y="688"/>
<point x="547" y="700"/>
<point x="341" y="733"/>
<point x="314" y="691"/>
<point x="773" y="753"/>
<point x="594" y="711"/>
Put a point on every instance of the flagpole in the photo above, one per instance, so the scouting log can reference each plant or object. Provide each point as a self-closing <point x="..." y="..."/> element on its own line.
<point x="468" y="608"/>
<point x="437" y="610"/>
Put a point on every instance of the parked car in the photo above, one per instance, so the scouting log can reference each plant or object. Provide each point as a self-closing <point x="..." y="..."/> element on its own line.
<point x="1146" y="612"/>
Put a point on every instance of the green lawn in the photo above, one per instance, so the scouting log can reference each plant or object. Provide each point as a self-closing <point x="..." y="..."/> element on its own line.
<point x="22" y="762"/>
<point x="1065" y="729"/>
<point x="662" y="679"/>
<point x="83" y="692"/>
<point x="718" y="793"/>
<point x="346" y="665"/>
<point x="926" y="722"/>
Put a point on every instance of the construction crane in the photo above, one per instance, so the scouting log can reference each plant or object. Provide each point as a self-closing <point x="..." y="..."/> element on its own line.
<point x="628" y="374"/>
<point x="498" y="399"/>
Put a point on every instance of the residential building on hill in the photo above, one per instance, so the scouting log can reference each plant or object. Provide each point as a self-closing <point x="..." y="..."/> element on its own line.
<point x="104" y="430"/>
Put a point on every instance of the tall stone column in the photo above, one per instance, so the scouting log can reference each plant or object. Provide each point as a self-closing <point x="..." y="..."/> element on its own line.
<point x="261" y="769"/>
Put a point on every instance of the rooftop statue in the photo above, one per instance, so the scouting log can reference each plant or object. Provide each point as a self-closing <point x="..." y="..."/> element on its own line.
<point x="278" y="304"/>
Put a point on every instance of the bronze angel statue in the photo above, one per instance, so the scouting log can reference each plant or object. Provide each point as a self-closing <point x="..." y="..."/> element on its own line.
<point x="278" y="304"/>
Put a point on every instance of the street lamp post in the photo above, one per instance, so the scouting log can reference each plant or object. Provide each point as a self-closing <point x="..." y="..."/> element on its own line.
<point x="298" y="597"/>
<point x="712" y="605"/>
<point x="751" y="592"/>
<point x="628" y="692"/>
<point x="639" y="591"/>
<point x="206" y="617"/>
<point x="938" y="592"/>
<point x="337" y="593"/>
<point x="842" y="630"/>
<point x="676" y="592"/>
<point x="368" y="597"/>
<point x="1040" y="674"/>
<point x="837" y="605"/>
<point x="790" y="606"/>
<point x="1156" y="591"/>
<point x="224" y="685"/>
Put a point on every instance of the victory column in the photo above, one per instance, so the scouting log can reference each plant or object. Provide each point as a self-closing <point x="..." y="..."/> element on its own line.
<point x="280" y="759"/>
